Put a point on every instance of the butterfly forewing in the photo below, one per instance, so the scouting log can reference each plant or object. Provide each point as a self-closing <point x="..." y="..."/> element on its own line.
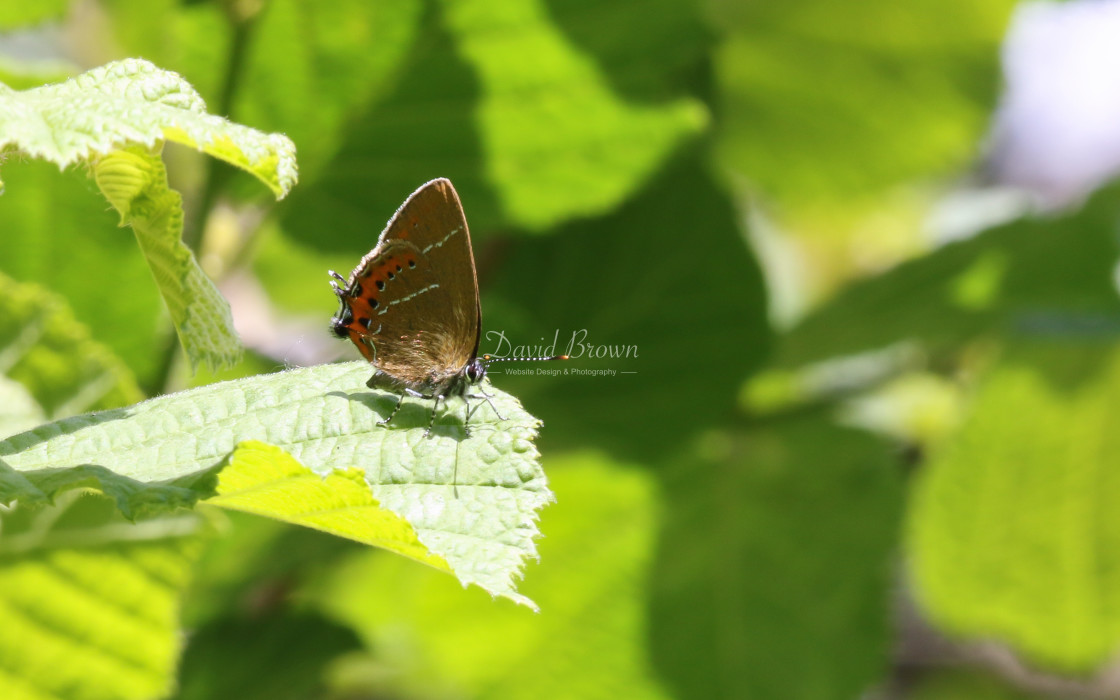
<point x="414" y="298"/>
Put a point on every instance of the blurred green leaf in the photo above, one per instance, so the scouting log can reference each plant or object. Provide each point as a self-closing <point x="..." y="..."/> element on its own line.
<point x="280" y="656"/>
<point x="472" y="500"/>
<point x="825" y="101"/>
<point x="26" y="73"/>
<point x="191" y="38"/>
<point x="1036" y="275"/>
<point x="557" y="142"/>
<point x="422" y="128"/>
<point x="59" y="233"/>
<point x="294" y="273"/>
<point x="966" y="685"/>
<point x="588" y="642"/>
<point x="1012" y="530"/>
<point x="15" y="15"/>
<point x="311" y="66"/>
<point x="256" y="565"/>
<point x="774" y="571"/>
<point x="18" y="409"/>
<point x="49" y="352"/>
<point x="496" y="98"/>
<point x="656" y="63"/>
<point x="696" y="317"/>
<point x="298" y="67"/>
<point x="89" y="603"/>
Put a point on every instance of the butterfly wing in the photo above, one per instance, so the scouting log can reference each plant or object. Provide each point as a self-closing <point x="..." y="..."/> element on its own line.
<point x="413" y="301"/>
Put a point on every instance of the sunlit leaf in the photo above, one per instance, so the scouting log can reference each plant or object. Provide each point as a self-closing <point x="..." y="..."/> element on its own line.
<point x="89" y="603"/>
<point x="132" y="102"/>
<point x="472" y="500"/>
<point x="1013" y="533"/>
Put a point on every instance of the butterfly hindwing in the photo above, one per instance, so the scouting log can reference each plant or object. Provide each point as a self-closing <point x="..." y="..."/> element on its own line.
<point x="413" y="300"/>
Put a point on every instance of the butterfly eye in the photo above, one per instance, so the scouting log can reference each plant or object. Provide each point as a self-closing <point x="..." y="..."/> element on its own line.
<point x="475" y="370"/>
<point x="341" y="321"/>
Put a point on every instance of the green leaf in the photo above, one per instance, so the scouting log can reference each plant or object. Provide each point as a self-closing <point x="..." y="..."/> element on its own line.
<point x="660" y="61"/>
<point x="14" y="15"/>
<point x="558" y="143"/>
<point x="89" y="603"/>
<point x="50" y="353"/>
<point x="1038" y="275"/>
<point x="821" y="102"/>
<point x="955" y="684"/>
<point x="305" y="67"/>
<point x="18" y="409"/>
<point x="774" y="571"/>
<point x="592" y="580"/>
<point x="670" y="276"/>
<point x="297" y="44"/>
<point x="132" y="102"/>
<point x="1013" y="531"/>
<point x="472" y="500"/>
<point x="58" y="233"/>
<point x="279" y="654"/>
<point x="495" y="97"/>
<point x="135" y="182"/>
<point x="133" y="497"/>
<point x="265" y="480"/>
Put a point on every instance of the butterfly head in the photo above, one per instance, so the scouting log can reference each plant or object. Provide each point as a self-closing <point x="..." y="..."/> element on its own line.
<point x="475" y="370"/>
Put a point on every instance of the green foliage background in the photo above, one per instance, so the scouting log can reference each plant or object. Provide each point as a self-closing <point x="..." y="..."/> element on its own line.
<point x="729" y="523"/>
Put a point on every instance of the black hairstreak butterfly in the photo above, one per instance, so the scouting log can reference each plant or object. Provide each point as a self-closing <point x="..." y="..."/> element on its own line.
<point x="411" y="305"/>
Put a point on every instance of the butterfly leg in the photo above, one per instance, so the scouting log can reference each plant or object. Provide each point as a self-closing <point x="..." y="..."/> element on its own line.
<point x="432" y="419"/>
<point x="393" y="412"/>
<point x="486" y="398"/>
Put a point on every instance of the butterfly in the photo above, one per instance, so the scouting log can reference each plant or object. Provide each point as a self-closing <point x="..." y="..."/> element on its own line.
<point x="411" y="305"/>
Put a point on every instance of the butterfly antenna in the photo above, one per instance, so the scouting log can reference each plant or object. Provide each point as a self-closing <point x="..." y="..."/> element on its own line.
<point x="487" y="359"/>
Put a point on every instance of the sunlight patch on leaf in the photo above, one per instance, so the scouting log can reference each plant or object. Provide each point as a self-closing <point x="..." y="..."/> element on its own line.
<point x="264" y="480"/>
<point x="559" y="143"/>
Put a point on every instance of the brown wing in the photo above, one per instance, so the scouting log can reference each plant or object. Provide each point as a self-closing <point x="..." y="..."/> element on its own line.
<point x="414" y="298"/>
